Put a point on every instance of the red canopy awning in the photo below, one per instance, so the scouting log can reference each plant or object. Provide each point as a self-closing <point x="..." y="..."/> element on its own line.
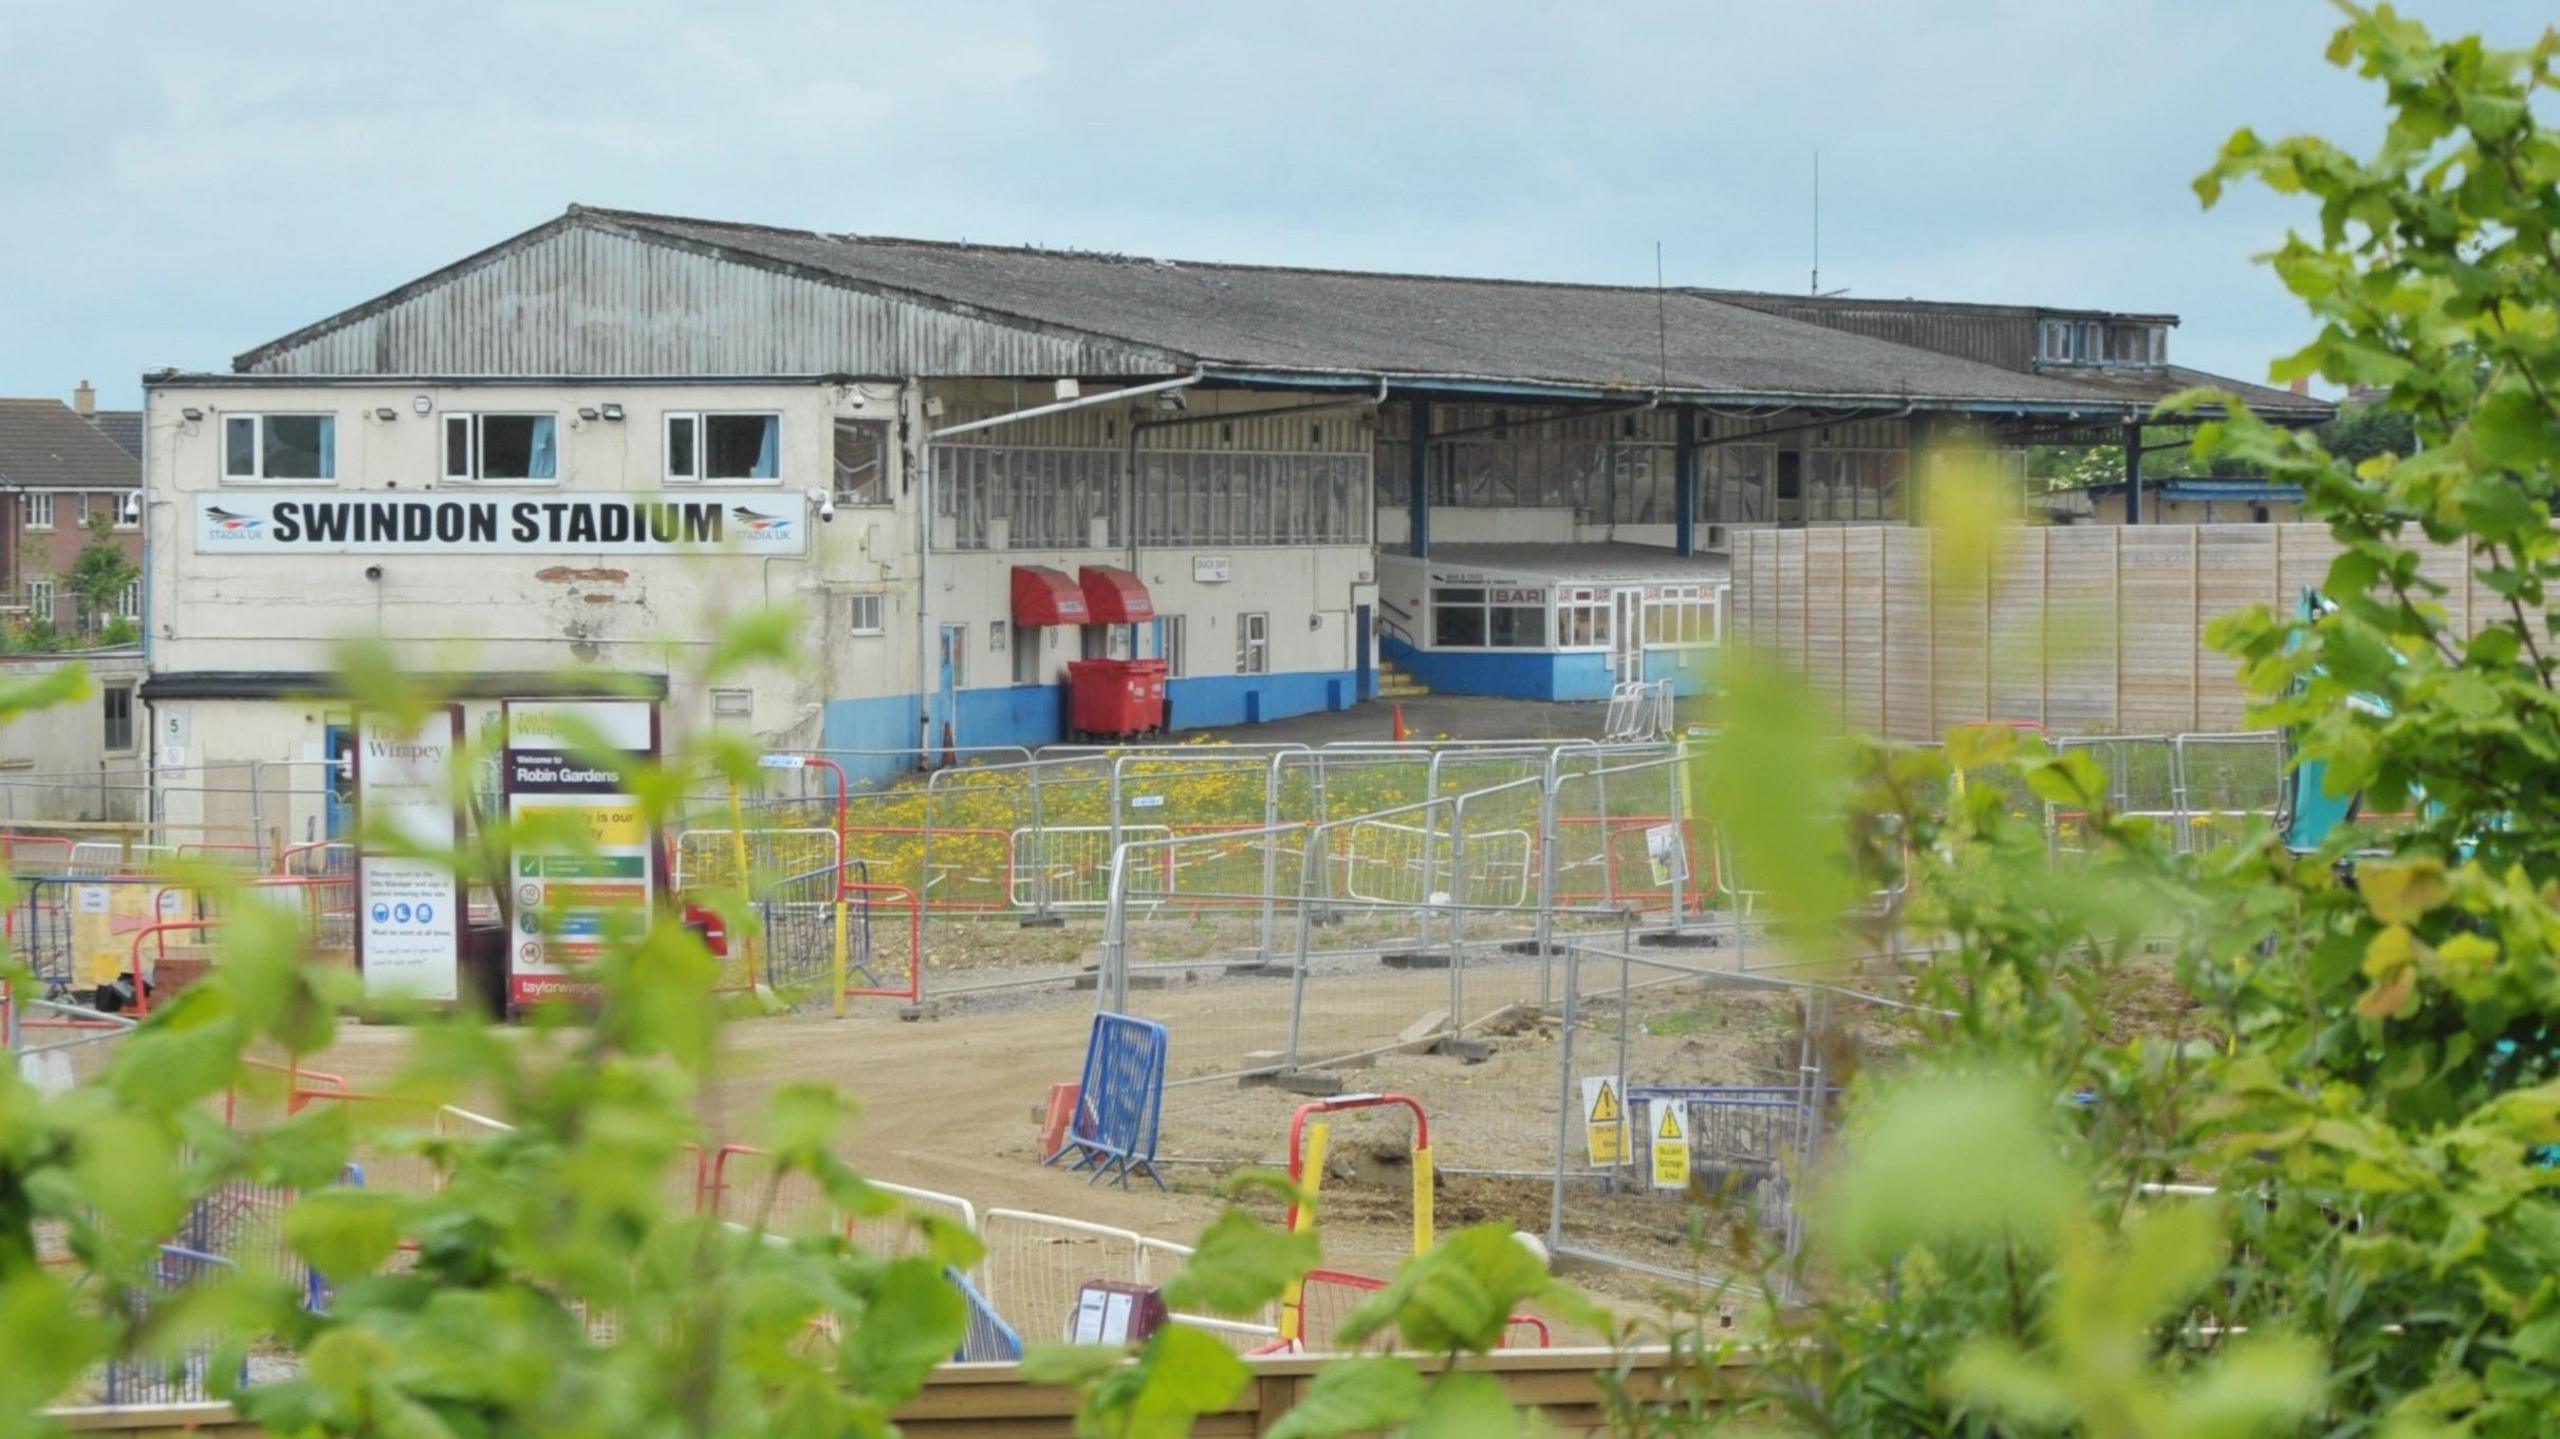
<point x="1042" y="596"/>
<point x="1116" y="597"/>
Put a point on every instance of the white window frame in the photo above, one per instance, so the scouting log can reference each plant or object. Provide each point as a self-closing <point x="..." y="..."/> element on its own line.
<point x="132" y="717"/>
<point x="1175" y="644"/>
<point x="128" y="509"/>
<point x="258" y="447"/>
<point x="701" y="421"/>
<point x="1583" y="611"/>
<point x="867" y="614"/>
<point x="129" y="601"/>
<point x="39" y="509"/>
<point x="1253" y="643"/>
<point x="40" y="598"/>
<point x="733" y="709"/>
<point x="470" y="473"/>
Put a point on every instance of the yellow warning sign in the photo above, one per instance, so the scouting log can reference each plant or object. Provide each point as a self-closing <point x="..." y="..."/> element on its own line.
<point x="1671" y="1144"/>
<point x="1604" y="1122"/>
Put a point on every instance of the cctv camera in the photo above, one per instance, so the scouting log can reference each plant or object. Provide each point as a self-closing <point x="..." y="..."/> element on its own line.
<point x="825" y="500"/>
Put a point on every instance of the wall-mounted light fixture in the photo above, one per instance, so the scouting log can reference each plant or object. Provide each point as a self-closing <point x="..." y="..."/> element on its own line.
<point x="386" y="414"/>
<point x="586" y="412"/>
<point x="422" y="404"/>
<point x="613" y="412"/>
<point x="192" y="413"/>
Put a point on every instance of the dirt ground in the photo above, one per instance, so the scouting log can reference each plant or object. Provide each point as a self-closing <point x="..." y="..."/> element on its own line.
<point x="949" y="1104"/>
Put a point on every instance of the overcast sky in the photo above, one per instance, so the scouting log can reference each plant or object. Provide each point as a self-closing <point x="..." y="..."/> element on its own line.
<point x="181" y="182"/>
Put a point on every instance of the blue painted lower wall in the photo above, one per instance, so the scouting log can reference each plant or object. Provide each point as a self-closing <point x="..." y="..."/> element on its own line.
<point x="1697" y="677"/>
<point x="1031" y="715"/>
<point x="1206" y="700"/>
<point x="1512" y="674"/>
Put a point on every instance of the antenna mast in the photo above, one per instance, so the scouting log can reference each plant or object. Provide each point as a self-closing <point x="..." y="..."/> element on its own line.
<point x="1816" y="287"/>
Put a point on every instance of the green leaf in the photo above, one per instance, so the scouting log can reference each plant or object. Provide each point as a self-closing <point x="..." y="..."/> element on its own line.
<point x="1240" y="1265"/>
<point x="1349" y="1396"/>
<point x="1464" y="1406"/>
<point x="344" y="1233"/>
<point x="2403" y="891"/>
<point x="1185" y="1373"/>
<point x="912" y="1320"/>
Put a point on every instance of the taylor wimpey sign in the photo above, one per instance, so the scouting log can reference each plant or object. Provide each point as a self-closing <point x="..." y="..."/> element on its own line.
<point x="409" y="915"/>
<point x="763" y="522"/>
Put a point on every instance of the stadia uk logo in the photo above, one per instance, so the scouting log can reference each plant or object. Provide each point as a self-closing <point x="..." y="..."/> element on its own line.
<point x="760" y="527"/>
<point x="225" y="524"/>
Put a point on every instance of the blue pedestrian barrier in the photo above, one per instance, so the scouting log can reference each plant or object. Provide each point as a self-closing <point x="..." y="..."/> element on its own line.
<point x="1120" y="1103"/>
<point x="988" y="1339"/>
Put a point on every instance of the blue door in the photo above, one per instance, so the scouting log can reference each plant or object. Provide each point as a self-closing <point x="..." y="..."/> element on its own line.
<point x="1360" y="657"/>
<point x="340" y="811"/>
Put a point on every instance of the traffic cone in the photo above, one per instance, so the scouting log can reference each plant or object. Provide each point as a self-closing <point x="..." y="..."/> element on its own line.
<point x="1399" y="710"/>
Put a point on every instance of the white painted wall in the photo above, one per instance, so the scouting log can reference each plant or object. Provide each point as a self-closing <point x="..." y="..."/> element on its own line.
<point x="51" y="759"/>
<point x="534" y="612"/>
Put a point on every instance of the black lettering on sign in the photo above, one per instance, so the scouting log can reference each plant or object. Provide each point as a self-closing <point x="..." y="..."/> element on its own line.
<point x="525" y="528"/>
<point x="381" y="522"/>
<point x="483" y="525"/>
<point x="613" y="526"/>
<point x="323" y="524"/>
<point x="288" y="523"/>
<point x="701" y="523"/>
<point x="582" y="526"/>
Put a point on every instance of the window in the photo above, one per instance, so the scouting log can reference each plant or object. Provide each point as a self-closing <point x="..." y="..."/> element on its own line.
<point x="40" y="599"/>
<point x="1171" y="641"/>
<point x="864" y="618"/>
<point x="1201" y="497"/>
<point x="1253" y="644"/>
<point x="995" y="635"/>
<point x="1855" y="484"/>
<point x="1683" y="615"/>
<point x="1582" y="619"/>
<point x="118" y="703"/>
<point x="277" y="449"/>
<point x="501" y="447"/>
<point x="39" y="510"/>
<point x="732" y="709"/>
<point x="1498" y="617"/>
<point x="716" y="447"/>
<point x="955" y="655"/>
<point x="1055" y="499"/>
<point x="862" y="471"/>
<point x="84" y="512"/>
<point x="129" y="602"/>
<point x="1026" y="654"/>
<point x="129" y="510"/>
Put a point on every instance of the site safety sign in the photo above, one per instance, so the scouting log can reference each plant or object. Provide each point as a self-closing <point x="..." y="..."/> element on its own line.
<point x="1670" y="1123"/>
<point x="1604" y="1121"/>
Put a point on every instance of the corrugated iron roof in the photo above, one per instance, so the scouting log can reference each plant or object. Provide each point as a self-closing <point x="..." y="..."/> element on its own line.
<point x="1360" y="322"/>
<point x="1282" y="322"/>
<point x="45" y="445"/>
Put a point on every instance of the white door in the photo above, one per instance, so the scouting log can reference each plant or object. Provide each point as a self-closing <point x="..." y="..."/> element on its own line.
<point x="1626" y="634"/>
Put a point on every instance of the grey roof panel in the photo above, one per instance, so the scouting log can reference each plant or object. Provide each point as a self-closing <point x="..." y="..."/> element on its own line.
<point x="1369" y="323"/>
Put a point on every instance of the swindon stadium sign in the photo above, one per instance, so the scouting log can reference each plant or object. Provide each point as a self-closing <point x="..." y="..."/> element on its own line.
<point x="761" y="522"/>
